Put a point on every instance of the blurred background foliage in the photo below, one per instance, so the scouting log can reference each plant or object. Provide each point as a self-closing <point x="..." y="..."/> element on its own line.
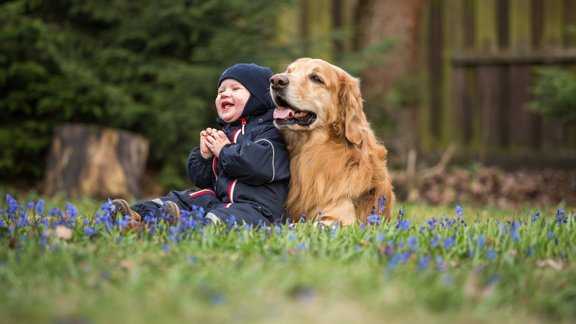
<point x="555" y="95"/>
<point x="149" y="67"/>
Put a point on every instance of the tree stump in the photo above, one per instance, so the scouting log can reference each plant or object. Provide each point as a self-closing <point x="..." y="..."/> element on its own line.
<point x="90" y="161"/>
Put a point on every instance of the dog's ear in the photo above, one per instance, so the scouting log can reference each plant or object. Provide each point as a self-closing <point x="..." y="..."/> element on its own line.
<point x="351" y="105"/>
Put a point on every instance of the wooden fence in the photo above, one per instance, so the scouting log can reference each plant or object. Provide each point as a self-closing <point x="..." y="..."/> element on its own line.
<point x="480" y="58"/>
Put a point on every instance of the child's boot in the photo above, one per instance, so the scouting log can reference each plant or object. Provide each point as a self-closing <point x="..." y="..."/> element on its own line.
<point x="172" y="210"/>
<point x="123" y="207"/>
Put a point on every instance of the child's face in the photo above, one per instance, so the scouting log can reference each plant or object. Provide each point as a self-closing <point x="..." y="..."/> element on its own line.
<point x="231" y="99"/>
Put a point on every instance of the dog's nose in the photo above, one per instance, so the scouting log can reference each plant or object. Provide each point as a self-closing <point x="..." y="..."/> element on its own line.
<point x="279" y="81"/>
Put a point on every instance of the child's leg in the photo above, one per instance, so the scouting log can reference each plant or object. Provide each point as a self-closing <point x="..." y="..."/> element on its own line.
<point x="241" y="213"/>
<point x="175" y="201"/>
<point x="198" y="202"/>
<point x="157" y="208"/>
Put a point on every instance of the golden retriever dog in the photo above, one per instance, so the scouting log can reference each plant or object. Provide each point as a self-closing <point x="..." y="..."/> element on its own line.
<point x="338" y="165"/>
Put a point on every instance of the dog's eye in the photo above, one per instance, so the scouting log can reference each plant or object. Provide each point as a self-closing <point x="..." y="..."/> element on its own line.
<point x="316" y="79"/>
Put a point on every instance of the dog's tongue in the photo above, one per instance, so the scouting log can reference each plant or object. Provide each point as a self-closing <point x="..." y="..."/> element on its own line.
<point x="282" y="112"/>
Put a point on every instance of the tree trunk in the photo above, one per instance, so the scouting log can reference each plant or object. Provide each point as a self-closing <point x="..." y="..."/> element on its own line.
<point x="89" y="161"/>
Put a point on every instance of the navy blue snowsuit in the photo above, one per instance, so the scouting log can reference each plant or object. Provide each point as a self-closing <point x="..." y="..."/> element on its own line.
<point x="249" y="181"/>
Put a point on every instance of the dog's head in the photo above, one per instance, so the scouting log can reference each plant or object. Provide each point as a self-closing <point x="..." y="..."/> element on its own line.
<point x="314" y="94"/>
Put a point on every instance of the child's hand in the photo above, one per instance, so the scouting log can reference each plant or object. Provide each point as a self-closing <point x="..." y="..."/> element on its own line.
<point x="216" y="142"/>
<point x="204" y="150"/>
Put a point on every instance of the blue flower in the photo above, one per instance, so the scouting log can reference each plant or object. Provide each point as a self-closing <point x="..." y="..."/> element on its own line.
<point x="432" y="223"/>
<point x="72" y="212"/>
<point x="560" y="218"/>
<point x="373" y="219"/>
<point x="481" y="240"/>
<point x="406" y="256"/>
<point x="423" y="262"/>
<point x="382" y="200"/>
<point x="389" y="247"/>
<point x="174" y="238"/>
<point x="394" y="261"/>
<point x="89" y="231"/>
<point x="217" y="299"/>
<point x="440" y="265"/>
<point x="404" y="224"/>
<point x="514" y="234"/>
<point x="12" y="206"/>
<point x="334" y="232"/>
<point x="413" y="243"/>
<point x="108" y="207"/>
<point x="434" y="241"/>
<point x="490" y="254"/>
<point x="448" y="242"/>
<point x="459" y="211"/>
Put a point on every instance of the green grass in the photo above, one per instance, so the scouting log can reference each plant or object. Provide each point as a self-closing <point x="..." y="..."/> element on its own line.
<point x="489" y="265"/>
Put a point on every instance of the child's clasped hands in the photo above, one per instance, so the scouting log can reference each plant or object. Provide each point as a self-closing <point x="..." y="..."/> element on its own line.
<point x="212" y="141"/>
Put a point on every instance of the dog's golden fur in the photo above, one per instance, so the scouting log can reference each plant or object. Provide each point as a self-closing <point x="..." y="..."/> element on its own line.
<point x="338" y="165"/>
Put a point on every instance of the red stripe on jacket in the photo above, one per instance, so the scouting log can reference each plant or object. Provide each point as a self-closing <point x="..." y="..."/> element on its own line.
<point x="202" y="192"/>
<point x="231" y="190"/>
<point x="214" y="165"/>
<point x="235" y="135"/>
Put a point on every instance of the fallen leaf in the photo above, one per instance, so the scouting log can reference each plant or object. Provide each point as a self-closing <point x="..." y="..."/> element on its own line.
<point x="554" y="264"/>
<point x="126" y="265"/>
<point x="63" y="232"/>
